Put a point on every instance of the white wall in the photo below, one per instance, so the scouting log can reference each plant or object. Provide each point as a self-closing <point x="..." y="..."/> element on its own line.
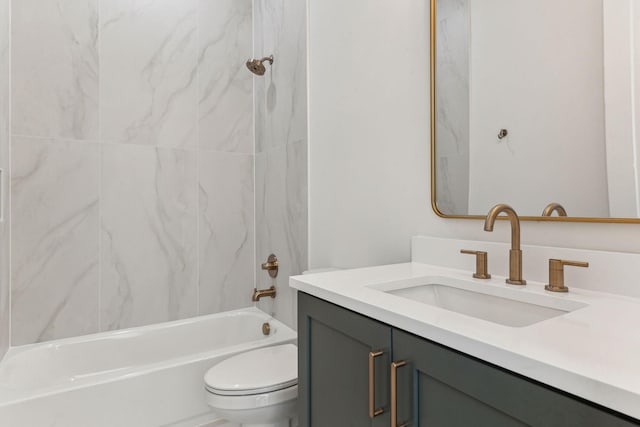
<point x="536" y="70"/>
<point x="369" y="138"/>
<point x="367" y="119"/>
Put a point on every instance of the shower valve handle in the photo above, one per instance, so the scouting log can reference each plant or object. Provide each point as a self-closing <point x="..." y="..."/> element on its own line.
<point x="271" y="265"/>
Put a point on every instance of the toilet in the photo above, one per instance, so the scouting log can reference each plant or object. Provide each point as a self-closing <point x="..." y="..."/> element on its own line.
<point x="258" y="388"/>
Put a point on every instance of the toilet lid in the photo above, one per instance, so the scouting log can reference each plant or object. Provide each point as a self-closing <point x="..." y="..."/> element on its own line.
<point x="257" y="371"/>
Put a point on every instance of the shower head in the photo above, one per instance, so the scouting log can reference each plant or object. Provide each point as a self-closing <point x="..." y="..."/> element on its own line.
<point x="256" y="66"/>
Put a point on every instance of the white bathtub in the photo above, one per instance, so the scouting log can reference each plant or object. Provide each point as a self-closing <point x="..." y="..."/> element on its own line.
<point x="147" y="376"/>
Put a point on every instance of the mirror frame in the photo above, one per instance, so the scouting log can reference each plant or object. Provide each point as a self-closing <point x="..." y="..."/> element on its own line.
<point x="434" y="206"/>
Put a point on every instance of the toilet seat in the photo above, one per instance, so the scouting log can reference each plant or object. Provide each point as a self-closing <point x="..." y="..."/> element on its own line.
<point x="255" y="373"/>
<point x="252" y="401"/>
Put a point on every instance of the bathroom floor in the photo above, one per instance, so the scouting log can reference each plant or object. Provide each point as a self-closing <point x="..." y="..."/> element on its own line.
<point x="225" y="424"/>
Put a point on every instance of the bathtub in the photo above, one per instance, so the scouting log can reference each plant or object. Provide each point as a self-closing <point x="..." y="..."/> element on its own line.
<point x="146" y="376"/>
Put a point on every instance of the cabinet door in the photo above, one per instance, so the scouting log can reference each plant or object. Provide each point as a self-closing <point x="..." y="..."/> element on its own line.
<point x="333" y="366"/>
<point x="441" y="387"/>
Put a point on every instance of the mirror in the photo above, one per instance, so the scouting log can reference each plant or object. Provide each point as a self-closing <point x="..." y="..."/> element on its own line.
<point x="536" y="102"/>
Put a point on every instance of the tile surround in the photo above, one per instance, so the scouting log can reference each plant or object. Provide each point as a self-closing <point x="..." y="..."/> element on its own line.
<point x="148" y="72"/>
<point x="226" y="231"/>
<point x="133" y="160"/>
<point x="281" y="222"/>
<point x="148" y="235"/>
<point x="281" y="96"/>
<point x="55" y="68"/>
<point x="225" y="85"/>
<point x="281" y="150"/>
<point x="54" y="261"/>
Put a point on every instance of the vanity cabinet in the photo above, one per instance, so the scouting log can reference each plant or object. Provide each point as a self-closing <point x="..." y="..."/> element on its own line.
<point x="334" y="351"/>
<point x="434" y="385"/>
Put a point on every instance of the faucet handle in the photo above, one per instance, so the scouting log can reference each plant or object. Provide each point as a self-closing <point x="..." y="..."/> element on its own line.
<point x="556" y="274"/>
<point x="271" y="266"/>
<point x="482" y="271"/>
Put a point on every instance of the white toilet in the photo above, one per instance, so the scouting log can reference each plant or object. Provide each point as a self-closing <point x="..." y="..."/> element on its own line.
<point x="258" y="388"/>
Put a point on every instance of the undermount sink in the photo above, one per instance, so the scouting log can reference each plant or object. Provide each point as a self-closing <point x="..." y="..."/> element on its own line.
<point x="497" y="304"/>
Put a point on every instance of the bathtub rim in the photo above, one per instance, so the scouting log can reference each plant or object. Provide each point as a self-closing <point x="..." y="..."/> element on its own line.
<point x="96" y="336"/>
<point x="285" y="334"/>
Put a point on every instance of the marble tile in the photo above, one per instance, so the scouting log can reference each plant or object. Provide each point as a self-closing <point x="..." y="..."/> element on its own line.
<point x="452" y="114"/>
<point x="54" y="239"/>
<point x="141" y="228"/>
<point x="148" y="235"/>
<point x="148" y="64"/>
<point x="5" y="215"/>
<point x="282" y="223"/>
<point x="55" y="68"/>
<point x="450" y="180"/>
<point x="225" y="84"/>
<point x="226" y="231"/>
<point x="280" y="95"/>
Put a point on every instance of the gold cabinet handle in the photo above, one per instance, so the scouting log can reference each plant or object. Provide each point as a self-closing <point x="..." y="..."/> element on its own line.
<point x="394" y="393"/>
<point x="373" y="412"/>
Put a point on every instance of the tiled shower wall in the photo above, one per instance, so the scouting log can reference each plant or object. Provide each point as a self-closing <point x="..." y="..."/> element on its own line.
<point x="281" y="148"/>
<point x="132" y="163"/>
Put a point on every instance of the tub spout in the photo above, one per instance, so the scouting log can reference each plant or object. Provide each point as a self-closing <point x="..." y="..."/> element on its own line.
<point x="257" y="294"/>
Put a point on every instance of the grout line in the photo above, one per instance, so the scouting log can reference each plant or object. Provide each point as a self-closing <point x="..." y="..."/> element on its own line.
<point x="254" y="146"/>
<point x="55" y="140"/>
<point x="198" y="213"/>
<point x="127" y="144"/>
<point x="60" y="139"/>
<point x="253" y="143"/>
<point x="9" y="142"/>
<point x="307" y="73"/>
<point x="100" y="167"/>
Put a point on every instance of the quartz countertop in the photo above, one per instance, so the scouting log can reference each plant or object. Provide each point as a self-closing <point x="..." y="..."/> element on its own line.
<point x="592" y="352"/>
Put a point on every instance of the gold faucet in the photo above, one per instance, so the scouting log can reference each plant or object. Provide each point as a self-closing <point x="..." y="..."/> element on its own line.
<point x="482" y="272"/>
<point x="554" y="207"/>
<point x="271" y="266"/>
<point x="515" y="254"/>
<point x="257" y="294"/>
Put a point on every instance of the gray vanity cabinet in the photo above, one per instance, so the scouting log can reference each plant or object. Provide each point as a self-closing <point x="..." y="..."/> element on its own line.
<point x="451" y="389"/>
<point x="436" y="386"/>
<point x="335" y="346"/>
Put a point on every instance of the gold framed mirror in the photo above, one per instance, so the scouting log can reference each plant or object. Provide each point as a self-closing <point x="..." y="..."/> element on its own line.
<point x="533" y="104"/>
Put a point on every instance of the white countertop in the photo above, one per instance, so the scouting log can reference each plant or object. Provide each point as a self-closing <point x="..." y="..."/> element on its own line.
<point x="593" y="352"/>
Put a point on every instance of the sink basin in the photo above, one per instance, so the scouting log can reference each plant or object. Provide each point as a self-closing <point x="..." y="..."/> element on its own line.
<point x="497" y="304"/>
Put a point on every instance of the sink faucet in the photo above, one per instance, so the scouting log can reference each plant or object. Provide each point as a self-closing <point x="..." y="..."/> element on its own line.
<point x="548" y="210"/>
<point x="515" y="254"/>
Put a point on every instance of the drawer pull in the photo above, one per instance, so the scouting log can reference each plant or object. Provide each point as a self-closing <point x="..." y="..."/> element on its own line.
<point x="373" y="412"/>
<point x="394" y="393"/>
